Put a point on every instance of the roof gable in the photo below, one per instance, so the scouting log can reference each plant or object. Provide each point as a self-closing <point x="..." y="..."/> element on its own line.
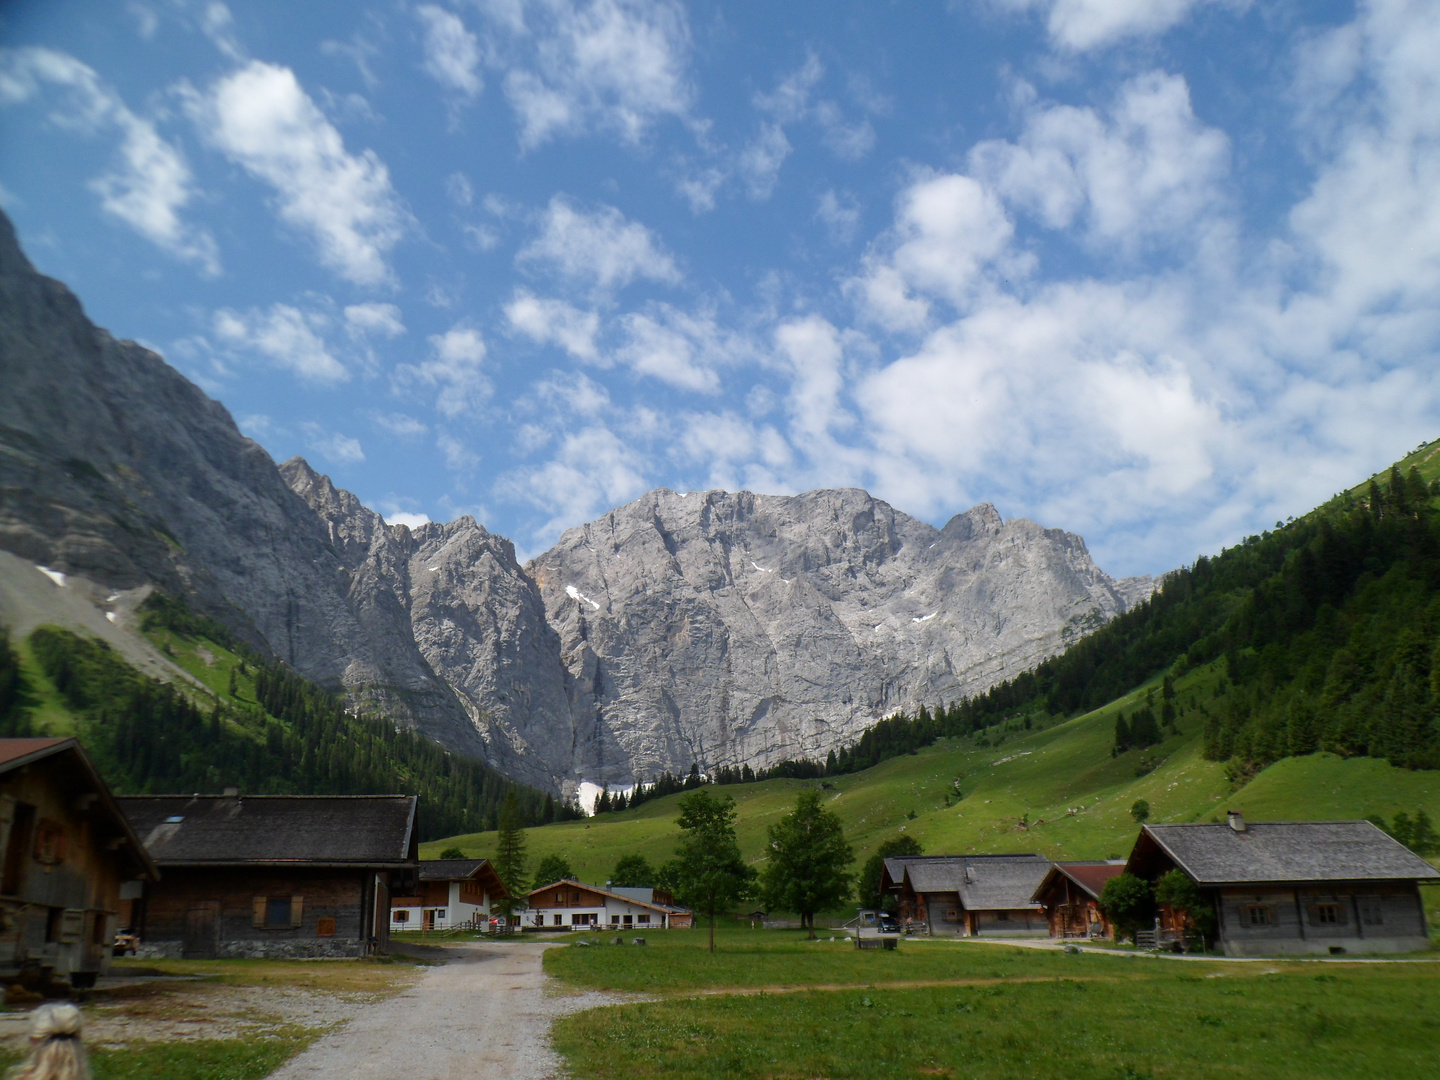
<point x="1286" y="851"/>
<point x="611" y="893"/>
<point x="1088" y="876"/>
<point x="218" y="830"/>
<point x="68" y="758"/>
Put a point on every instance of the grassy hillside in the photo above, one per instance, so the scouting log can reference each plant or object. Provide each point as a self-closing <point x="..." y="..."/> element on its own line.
<point x="239" y="720"/>
<point x="1018" y="796"/>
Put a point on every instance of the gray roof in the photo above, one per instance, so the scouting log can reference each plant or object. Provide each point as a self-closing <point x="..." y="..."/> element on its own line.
<point x="1289" y="851"/>
<point x="983" y="882"/>
<point x="301" y="830"/>
<point x="449" y="869"/>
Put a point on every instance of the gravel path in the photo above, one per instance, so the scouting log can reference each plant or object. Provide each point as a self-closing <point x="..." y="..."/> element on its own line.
<point x="484" y="1013"/>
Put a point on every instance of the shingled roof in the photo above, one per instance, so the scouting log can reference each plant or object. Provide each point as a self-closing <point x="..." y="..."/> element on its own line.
<point x="1089" y="875"/>
<point x="312" y="830"/>
<point x="1282" y="852"/>
<point x="983" y="882"/>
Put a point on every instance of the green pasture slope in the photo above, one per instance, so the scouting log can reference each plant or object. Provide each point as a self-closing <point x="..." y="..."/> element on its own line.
<point x="1017" y="796"/>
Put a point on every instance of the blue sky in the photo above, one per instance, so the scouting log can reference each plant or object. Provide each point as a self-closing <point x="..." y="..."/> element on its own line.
<point x="1158" y="272"/>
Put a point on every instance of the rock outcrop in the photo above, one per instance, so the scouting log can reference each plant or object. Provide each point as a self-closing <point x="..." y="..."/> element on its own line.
<point x="710" y="626"/>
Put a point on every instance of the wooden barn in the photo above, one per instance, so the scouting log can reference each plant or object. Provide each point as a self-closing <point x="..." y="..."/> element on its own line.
<point x="449" y="893"/>
<point x="1070" y="895"/>
<point x="567" y="904"/>
<point x="67" y="853"/>
<point x="1282" y="887"/>
<point x="968" y="895"/>
<point x="272" y="875"/>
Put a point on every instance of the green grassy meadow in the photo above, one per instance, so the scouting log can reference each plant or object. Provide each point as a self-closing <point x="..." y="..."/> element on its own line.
<point x="1054" y="790"/>
<point x="1111" y="1019"/>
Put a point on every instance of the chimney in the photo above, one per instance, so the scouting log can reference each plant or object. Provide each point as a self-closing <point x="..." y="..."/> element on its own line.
<point x="1237" y="820"/>
<point x="231" y="793"/>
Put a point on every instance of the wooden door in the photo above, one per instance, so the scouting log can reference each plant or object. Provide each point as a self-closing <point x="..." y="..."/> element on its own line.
<point x="202" y="931"/>
<point x="427" y="920"/>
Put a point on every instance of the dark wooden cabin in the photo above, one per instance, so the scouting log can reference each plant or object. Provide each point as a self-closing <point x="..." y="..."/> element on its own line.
<point x="273" y="875"/>
<point x="66" y="854"/>
<point x="1282" y="887"/>
<point x="1070" y="895"/>
<point x="967" y="895"/>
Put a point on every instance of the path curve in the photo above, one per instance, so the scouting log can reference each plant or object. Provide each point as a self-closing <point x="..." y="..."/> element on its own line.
<point x="484" y="1013"/>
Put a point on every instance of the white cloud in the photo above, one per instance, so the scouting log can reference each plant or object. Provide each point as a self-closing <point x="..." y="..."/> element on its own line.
<point x="401" y="425"/>
<point x="285" y="335"/>
<point x="948" y="229"/>
<point x="332" y="446"/>
<point x="840" y="213"/>
<point x="1146" y="170"/>
<point x="452" y="53"/>
<point x="149" y="183"/>
<point x="554" y="322"/>
<point x="459" y="189"/>
<point x="455" y="368"/>
<point x="261" y="118"/>
<point x="614" y="66"/>
<point x="790" y="103"/>
<point x="593" y="469"/>
<point x="759" y="163"/>
<point x="373" y="320"/>
<point x="681" y="348"/>
<point x="1079" y="25"/>
<point x="458" y="456"/>
<point x="601" y="249"/>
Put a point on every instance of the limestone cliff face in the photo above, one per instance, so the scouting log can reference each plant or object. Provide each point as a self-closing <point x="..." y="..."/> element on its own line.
<point x="712" y="626"/>
<point x="116" y="468"/>
<point x="728" y="627"/>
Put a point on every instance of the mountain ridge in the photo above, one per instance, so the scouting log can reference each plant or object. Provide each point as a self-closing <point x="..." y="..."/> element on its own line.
<point x="732" y="631"/>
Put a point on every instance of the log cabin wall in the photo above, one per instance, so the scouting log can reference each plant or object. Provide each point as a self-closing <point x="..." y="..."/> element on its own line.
<point x="64" y="853"/>
<point x="263" y="912"/>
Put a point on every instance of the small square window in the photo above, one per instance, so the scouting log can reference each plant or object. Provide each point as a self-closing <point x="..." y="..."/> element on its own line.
<point x="614" y="920"/>
<point x="440" y="913"/>
<point x="400" y="916"/>
<point x="1003" y="916"/>
<point x="644" y="918"/>
<point x="1259" y="915"/>
<point x="555" y="920"/>
<point x="629" y="919"/>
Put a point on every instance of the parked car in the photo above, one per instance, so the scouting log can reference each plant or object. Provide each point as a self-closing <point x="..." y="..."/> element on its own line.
<point x="888" y="924"/>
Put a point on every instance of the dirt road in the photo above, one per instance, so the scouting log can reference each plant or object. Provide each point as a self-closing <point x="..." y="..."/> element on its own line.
<point x="483" y="1014"/>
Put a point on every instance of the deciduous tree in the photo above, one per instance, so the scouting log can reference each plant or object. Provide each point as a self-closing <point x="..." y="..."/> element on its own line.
<point x="708" y="872"/>
<point x="867" y="886"/>
<point x="1128" y="902"/>
<point x="807" y="870"/>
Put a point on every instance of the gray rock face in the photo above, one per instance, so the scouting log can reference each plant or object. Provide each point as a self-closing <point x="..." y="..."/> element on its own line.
<point x="116" y="468"/>
<point x="727" y="628"/>
<point x="712" y="627"/>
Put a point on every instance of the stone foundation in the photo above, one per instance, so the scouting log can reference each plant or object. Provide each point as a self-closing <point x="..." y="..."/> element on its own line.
<point x="268" y="949"/>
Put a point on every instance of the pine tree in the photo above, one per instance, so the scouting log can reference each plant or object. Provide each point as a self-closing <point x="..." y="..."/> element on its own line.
<point x="510" y="853"/>
<point x="1122" y="734"/>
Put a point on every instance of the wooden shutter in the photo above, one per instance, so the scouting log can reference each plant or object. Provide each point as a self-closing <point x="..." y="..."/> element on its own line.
<point x="297" y="910"/>
<point x="257" y="911"/>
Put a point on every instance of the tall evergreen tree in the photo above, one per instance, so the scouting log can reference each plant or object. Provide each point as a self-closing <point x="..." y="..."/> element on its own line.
<point x="510" y="859"/>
